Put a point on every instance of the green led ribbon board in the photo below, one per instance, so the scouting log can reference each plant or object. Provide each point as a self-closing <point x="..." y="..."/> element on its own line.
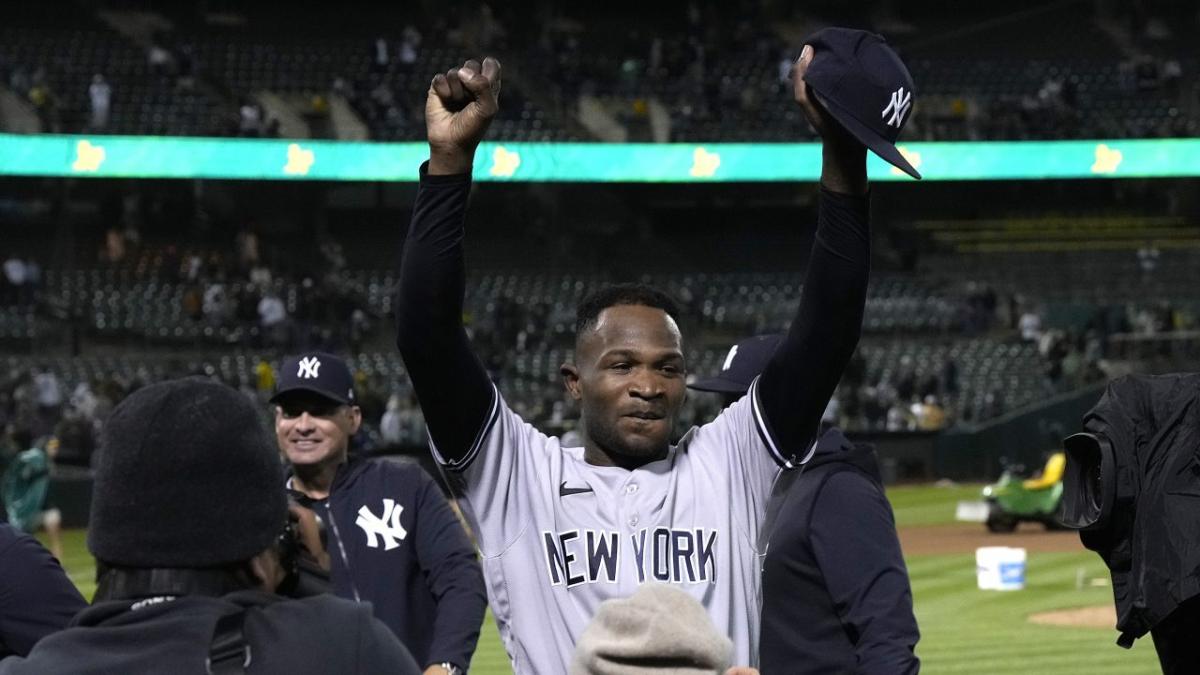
<point x="255" y="159"/>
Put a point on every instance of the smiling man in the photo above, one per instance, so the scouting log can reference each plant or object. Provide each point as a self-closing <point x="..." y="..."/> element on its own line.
<point x="393" y="539"/>
<point x="564" y="529"/>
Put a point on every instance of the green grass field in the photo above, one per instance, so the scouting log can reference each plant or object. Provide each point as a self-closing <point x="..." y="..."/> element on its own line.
<point x="964" y="630"/>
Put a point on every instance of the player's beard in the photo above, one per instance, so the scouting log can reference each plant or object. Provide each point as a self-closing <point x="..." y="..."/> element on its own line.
<point x="624" y="449"/>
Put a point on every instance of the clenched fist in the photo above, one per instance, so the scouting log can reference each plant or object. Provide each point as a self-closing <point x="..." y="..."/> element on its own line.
<point x="458" y="109"/>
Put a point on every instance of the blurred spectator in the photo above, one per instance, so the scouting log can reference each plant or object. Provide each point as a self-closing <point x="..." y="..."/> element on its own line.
<point x="1148" y="256"/>
<point x="216" y="305"/>
<point x="247" y="248"/>
<point x="380" y="57"/>
<point x="264" y="379"/>
<point x="15" y="276"/>
<point x="390" y="429"/>
<point x="159" y="59"/>
<point x="273" y="319"/>
<point x="25" y="486"/>
<point x="949" y="377"/>
<point x="930" y="415"/>
<point x="114" y="246"/>
<point x="48" y="394"/>
<point x="410" y="42"/>
<point x="1030" y="326"/>
<point x="100" y="95"/>
<point x="898" y="418"/>
<point x="193" y="302"/>
<point x="250" y="119"/>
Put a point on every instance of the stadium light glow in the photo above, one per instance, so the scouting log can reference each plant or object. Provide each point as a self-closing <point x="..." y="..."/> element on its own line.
<point x="259" y="159"/>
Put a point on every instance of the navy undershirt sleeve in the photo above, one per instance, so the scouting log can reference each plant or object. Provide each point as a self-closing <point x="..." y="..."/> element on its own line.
<point x="795" y="387"/>
<point x="451" y="384"/>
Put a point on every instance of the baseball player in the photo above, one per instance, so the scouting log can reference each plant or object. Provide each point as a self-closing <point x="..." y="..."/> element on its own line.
<point x="563" y="529"/>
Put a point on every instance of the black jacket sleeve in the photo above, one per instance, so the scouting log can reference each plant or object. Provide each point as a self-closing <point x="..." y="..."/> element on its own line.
<point x="853" y="535"/>
<point x="451" y="384"/>
<point x="452" y="571"/>
<point x="36" y="597"/>
<point x="795" y="387"/>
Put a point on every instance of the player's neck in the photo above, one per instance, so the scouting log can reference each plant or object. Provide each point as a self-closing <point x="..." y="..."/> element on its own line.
<point x="594" y="455"/>
<point x="315" y="480"/>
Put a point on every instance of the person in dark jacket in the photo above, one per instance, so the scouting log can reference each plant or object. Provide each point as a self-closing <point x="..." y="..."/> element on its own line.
<point x="836" y="596"/>
<point x="1131" y="488"/>
<point x="36" y="597"/>
<point x="393" y="539"/>
<point x="191" y="537"/>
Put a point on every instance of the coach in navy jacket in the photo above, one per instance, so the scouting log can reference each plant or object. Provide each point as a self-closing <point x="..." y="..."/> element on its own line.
<point x="836" y="596"/>
<point x="392" y="538"/>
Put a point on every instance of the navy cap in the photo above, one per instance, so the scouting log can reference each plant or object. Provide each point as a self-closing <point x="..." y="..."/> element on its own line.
<point x="744" y="362"/>
<point x="316" y="372"/>
<point x="865" y="86"/>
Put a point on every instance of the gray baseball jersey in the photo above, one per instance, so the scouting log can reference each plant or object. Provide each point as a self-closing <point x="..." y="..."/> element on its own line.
<point x="559" y="536"/>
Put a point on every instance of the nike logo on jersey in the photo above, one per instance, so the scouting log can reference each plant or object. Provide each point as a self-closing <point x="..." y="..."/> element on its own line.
<point x="563" y="490"/>
<point x="663" y="554"/>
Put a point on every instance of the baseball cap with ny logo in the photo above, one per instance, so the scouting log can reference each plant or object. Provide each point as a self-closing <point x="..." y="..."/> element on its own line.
<point x="863" y="83"/>
<point x="317" y="372"/>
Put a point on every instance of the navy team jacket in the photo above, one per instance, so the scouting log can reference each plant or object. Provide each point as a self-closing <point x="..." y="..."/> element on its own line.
<point x="836" y="597"/>
<point x="394" y="541"/>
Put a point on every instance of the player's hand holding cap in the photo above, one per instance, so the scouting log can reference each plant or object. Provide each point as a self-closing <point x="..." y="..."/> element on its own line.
<point x="865" y="86"/>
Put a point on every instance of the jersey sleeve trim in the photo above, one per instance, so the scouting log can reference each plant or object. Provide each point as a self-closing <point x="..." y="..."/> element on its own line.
<point x="768" y="439"/>
<point x="473" y="451"/>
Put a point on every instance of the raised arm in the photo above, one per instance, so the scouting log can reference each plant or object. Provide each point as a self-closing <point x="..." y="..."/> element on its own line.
<point x="451" y="384"/>
<point x="796" y="385"/>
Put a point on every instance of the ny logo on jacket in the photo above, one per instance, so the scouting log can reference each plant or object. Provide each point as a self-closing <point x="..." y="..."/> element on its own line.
<point x="386" y="527"/>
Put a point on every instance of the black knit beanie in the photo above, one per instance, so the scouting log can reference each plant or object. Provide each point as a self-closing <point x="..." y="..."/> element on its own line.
<point x="187" y="477"/>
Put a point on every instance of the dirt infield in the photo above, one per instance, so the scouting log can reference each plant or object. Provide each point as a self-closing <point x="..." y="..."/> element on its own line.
<point x="966" y="537"/>
<point x="1101" y="616"/>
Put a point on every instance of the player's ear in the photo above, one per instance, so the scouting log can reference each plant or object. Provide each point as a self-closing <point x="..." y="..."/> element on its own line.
<point x="570" y="375"/>
<point x="355" y="419"/>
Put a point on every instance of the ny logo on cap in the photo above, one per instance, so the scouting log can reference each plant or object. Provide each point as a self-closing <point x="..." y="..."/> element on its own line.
<point x="898" y="107"/>
<point x="729" y="358"/>
<point x="309" y="366"/>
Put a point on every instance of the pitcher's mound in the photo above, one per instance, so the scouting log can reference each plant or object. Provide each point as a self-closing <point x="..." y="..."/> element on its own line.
<point x="1102" y="616"/>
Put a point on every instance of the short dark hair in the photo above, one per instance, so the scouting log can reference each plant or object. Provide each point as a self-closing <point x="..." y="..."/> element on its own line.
<point x="621" y="294"/>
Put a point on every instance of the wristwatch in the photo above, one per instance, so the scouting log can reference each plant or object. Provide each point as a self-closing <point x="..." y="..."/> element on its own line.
<point x="451" y="668"/>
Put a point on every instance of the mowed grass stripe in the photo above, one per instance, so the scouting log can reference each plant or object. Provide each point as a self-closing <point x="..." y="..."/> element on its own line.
<point x="929" y="504"/>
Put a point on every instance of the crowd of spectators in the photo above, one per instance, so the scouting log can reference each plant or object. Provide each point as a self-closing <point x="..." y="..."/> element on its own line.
<point x="717" y="71"/>
<point x="237" y="287"/>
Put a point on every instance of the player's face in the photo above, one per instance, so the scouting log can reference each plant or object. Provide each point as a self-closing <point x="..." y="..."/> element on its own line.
<point x="312" y="429"/>
<point x="629" y="378"/>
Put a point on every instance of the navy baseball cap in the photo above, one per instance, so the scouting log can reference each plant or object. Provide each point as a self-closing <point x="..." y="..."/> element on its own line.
<point x="316" y="372"/>
<point x="744" y="362"/>
<point x="863" y="83"/>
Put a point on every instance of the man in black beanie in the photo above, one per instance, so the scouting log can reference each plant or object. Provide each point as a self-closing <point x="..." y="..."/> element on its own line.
<point x="189" y="529"/>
